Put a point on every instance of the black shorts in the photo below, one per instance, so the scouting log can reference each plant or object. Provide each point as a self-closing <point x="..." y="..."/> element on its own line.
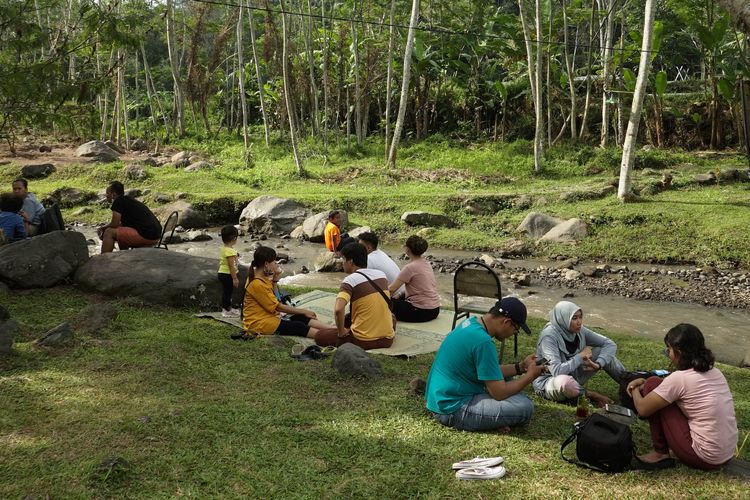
<point x="294" y="326"/>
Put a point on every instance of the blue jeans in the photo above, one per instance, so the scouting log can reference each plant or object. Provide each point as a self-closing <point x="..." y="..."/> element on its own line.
<point x="483" y="413"/>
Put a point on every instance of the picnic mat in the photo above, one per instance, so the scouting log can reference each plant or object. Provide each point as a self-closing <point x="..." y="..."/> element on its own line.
<point x="411" y="338"/>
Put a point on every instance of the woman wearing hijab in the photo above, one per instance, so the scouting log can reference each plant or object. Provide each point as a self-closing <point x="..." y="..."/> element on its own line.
<point x="575" y="354"/>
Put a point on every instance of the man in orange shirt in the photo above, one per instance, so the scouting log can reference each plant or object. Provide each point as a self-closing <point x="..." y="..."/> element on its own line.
<point x="335" y="241"/>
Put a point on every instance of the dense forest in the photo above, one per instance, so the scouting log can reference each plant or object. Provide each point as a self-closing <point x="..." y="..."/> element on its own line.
<point x="552" y="70"/>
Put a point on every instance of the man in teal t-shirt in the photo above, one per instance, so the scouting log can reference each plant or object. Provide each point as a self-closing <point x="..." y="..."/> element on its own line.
<point x="467" y="387"/>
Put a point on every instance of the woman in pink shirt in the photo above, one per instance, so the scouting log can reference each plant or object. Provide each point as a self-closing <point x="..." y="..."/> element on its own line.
<point x="422" y="302"/>
<point x="691" y="411"/>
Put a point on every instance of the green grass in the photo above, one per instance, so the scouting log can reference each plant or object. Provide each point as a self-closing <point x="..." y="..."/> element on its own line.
<point x="689" y="224"/>
<point x="196" y="414"/>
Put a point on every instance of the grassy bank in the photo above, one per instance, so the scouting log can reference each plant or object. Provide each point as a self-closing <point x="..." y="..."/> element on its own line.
<point x="195" y="414"/>
<point x="686" y="224"/>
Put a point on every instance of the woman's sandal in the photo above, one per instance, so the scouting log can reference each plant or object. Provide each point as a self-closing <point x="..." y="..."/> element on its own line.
<point x="664" y="463"/>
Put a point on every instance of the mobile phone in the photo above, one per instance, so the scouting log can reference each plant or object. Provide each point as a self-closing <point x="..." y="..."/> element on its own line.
<point x="542" y="361"/>
<point x="620" y="410"/>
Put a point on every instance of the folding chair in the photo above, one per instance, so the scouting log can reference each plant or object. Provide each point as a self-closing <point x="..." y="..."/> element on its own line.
<point x="169" y="225"/>
<point x="476" y="279"/>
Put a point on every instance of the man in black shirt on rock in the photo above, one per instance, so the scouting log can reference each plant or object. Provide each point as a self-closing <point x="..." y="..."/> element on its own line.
<point x="133" y="224"/>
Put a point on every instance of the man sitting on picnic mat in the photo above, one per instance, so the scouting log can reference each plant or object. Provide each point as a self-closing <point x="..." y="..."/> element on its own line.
<point x="467" y="388"/>
<point x="367" y="289"/>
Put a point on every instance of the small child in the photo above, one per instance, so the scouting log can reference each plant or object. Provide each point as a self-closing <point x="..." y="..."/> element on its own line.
<point x="228" y="271"/>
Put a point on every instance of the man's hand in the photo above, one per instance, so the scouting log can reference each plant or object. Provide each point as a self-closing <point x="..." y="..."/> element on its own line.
<point x="236" y="282"/>
<point x="529" y="361"/>
<point x="346" y="333"/>
<point x="24" y="215"/>
<point x="309" y="314"/>
<point x="590" y="366"/>
<point x="586" y="353"/>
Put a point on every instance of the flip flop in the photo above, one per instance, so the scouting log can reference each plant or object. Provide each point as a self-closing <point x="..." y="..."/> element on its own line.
<point x="242" y="336"/>
<point x="478" y="462"/>
<point x="481" y="473"/>
<point x="297" y="350"/>
<point x="328" y="350"/>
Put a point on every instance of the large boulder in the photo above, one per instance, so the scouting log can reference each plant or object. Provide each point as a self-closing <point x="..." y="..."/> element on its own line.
<point x="68" y="197"/>
<point x="327" y="262"/>
<point x="134" y="172"/>
<point x="189" y="217"/>
<point x="98" y="151"/>
<point x="42" y="261"/>
<point x="419" y="218"/>
<point x="154" y="275"/>
<point x="569" y="231"/>
<point x="537" y="224"/>
<point x="315" y="225"/>
<point x="269" y="214"/>
<point x="95" y="317"/>
<point x="37" y="171"/>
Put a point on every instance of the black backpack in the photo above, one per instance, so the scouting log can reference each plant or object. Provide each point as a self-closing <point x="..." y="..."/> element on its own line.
<point x="602" y="444"/>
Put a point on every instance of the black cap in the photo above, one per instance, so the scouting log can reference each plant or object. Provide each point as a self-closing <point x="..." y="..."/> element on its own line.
<point x="514" y="309"/>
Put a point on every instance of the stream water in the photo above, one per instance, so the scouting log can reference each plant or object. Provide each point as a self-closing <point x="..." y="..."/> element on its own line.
<point x="726" y="330"/>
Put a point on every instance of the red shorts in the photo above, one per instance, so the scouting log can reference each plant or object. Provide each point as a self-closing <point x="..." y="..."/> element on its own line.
<point x="127" y="237"/>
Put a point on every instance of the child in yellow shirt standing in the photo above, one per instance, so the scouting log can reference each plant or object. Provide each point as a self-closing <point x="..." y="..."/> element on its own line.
<point x="228" y="270"/>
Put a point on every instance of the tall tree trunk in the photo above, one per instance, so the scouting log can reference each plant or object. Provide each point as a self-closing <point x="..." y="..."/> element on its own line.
<point x="153" y="97"/>
<point x="620" y="106"/>
<point x="123" y="97"/>
<point x="589" y="69"/>
<point x="606" y="63"/>
<point x="628" y="149"/>
<point x="357" y="88"/>
<point x="259" y="77"/>
<point x="535" y="77"/>
<point x="241" y="81"/>
<point x="405" y="80"/>
<point x="326" y="83"/>
<point x="389" y="78"/>
<point x="175" y="69"/>
<point x="287" y="92"/>
<point x="308" y="30"/>
<point x="548" y="83"/>
<point x="571" y="77"/>
<point x="739" y="11"/>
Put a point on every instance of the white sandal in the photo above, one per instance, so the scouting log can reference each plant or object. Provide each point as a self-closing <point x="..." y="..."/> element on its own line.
<point x="478" y="462"/>
<point x="481" y="473"/>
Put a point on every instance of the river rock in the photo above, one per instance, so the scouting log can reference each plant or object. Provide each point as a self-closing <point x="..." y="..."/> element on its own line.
<point x="188" y="217"/>
<point x="327" y="262"/>
<point x="314" y="226"/>
<point x="68" y="197"/>
<point x="515" y="248"/>
<point x="42" y="261"/>
<point x="95" y="317"/>
<point x="98" y="151"/>
<point x="728" y="175"/>
<point x="705" y="179"/>
<point x="568" y="231"/>
<point x="153" y="275"/>
<point x="8" y="331"/>
<point x="572" y="275"/>
<point x="138" y="145"/>
<point x="59" y="335"/>
<point x="198" y="165"/>
<point x="162" y="198"/>
<point x="37" y="171"/>
<point x="196" y="235"/>
<point x="134" y="172"/>
<point x="114" y="146"/>
<point x="419" y="218"/>
<point x="353" y="361"/>
<point x="537" y="224"/>
<point x="45" y="148"/>
<point x="150" y="162"/>
<point x="272" y="215"/>
<point x="354" y="233"/>
<point x="179" y="157"/>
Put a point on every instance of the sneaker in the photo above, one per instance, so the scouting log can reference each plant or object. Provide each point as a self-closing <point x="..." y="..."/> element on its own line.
<point x="481" y="473"/>
<point x="478" y="462"/>
<point x="229" y="314"/>
<point x="235" y="311"/>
